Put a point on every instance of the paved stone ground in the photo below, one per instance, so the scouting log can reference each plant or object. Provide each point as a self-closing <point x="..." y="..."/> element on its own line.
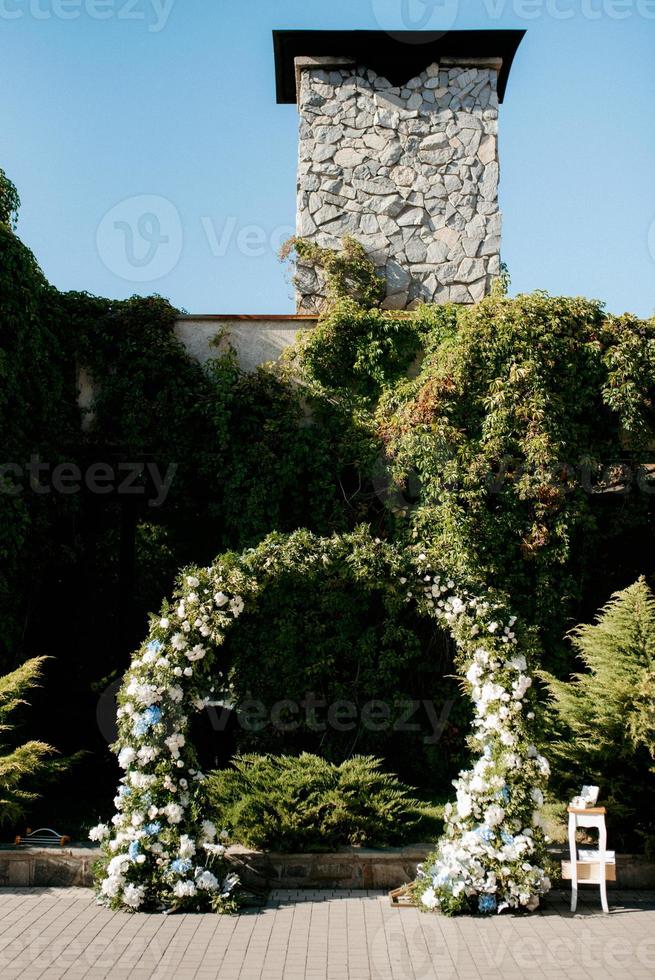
<point x="61" y="934"/>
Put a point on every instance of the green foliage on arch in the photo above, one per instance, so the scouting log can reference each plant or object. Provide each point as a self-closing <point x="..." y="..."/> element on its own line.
<point x="160" y="848"/>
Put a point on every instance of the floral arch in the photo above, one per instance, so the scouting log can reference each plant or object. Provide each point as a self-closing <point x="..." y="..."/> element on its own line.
<point x="161" y="853"/>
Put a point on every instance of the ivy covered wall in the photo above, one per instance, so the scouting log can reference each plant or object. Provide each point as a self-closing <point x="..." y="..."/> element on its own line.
<point x="513" y="437"/>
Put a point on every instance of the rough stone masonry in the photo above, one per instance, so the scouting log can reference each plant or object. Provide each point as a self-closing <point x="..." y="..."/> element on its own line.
<point x="410" y="171"/>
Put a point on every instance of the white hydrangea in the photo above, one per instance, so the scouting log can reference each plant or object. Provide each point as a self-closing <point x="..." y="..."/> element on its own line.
<point x="133" y="895"/>
<point x="184" y="889"/>
<point x="126" y="757"/>
<point x="100" y="832"/>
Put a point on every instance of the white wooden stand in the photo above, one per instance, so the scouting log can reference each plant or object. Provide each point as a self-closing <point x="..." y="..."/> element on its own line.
<point x="582" y="869"/>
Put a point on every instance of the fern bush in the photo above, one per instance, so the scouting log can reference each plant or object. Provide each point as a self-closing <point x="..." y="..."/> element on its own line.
<point x="305" y="803"/>
<point x="20" y="766"/>
<point x="603" y="718"/>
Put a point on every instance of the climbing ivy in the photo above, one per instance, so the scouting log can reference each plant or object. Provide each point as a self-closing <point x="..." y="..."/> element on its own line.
<point x="510" y="436"/>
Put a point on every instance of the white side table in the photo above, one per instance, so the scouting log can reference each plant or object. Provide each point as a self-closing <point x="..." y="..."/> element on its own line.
<point x="589" y="867"/>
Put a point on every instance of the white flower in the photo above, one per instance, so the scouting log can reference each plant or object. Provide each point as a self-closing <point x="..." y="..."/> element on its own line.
<point x="491" y="692"/>
<point x="492" y="627"/>
<point x="133" y="895"/>
<point x="196" y="653"/>
<point x="174" y="813"/>
<point x="175" y="743"/>
<point x="179" y="641"/>
<point x="221" y="599"/>
<point x="192" y="581"/>
<point x="164" y="623"/>
<point x="147" y="753"/>
<point x="236" y="606"/>
<point x="118" y="865"/>
<point x="494" y="815"/>
<point x="521" y="686"/>
<point x="126" y="757"/>
<point x="208" y="830"/>
<point x="217" y="849"/>
<point x="187" y="846"/>
<point x="207" y="881"/>
<point x="464" y="803"/>
<point x="100" y="832"/>
<point x="429" y="898"/>
<point x="175" y="694"/>
<point x="111" y="886"/>
<point x="184" y="889"/>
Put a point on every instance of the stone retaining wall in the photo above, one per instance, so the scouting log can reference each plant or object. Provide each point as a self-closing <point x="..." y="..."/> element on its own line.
<point x="349" y="867"/>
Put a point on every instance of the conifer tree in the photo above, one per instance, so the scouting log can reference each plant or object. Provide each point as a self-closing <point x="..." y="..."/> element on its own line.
<point x="604" y="716"/>
<point x="19" y="766"/>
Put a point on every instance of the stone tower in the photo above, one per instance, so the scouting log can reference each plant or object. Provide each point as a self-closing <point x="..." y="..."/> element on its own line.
<point x="399" y="149"/>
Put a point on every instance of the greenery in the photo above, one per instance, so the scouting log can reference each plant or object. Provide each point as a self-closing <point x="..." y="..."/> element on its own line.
<point x="338" y="634"/>
<point x="23" y="766"/>
<point x="510" y="438"/>
<point x="304" y="803"/>
<point x="348" y="273"/>
<point x="603" y="718"/>
<point x="155" y="850"/>
<point x="9" y="201"/>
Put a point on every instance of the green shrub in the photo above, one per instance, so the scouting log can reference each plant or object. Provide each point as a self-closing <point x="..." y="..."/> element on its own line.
<point x="604" y="718"/>
<point x="335" y="662"/>
<point x="20" y="766"/>
<point x="304" y="803"/>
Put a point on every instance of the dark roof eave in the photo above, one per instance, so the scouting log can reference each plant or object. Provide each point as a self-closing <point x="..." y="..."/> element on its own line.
<point x="398" y="55"/>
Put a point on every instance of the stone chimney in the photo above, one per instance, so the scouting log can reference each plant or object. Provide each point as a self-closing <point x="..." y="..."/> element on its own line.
<point x="399" y="149"/>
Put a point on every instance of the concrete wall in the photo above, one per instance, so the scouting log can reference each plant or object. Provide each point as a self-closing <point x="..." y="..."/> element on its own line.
<point x="256" y="339"/>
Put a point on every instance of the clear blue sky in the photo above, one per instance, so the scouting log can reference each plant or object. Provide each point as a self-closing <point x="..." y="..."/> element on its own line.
<point x="104" y="101"/>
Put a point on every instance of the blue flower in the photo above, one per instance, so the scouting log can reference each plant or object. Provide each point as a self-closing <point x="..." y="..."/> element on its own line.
<point x="146" y="720"/>
<point x="152" y="829"/>
<point x="440" y="880"/>
<point x="507" y="838"/>
<point x="487" y="904"/>
<point x="181" y="866"/>
<point x="133" y="850"/>
<point x="124" y="791"/>
<point x="154" y="646"/>
<point x="504" y="794"/>
<point x="485" y="833"/>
